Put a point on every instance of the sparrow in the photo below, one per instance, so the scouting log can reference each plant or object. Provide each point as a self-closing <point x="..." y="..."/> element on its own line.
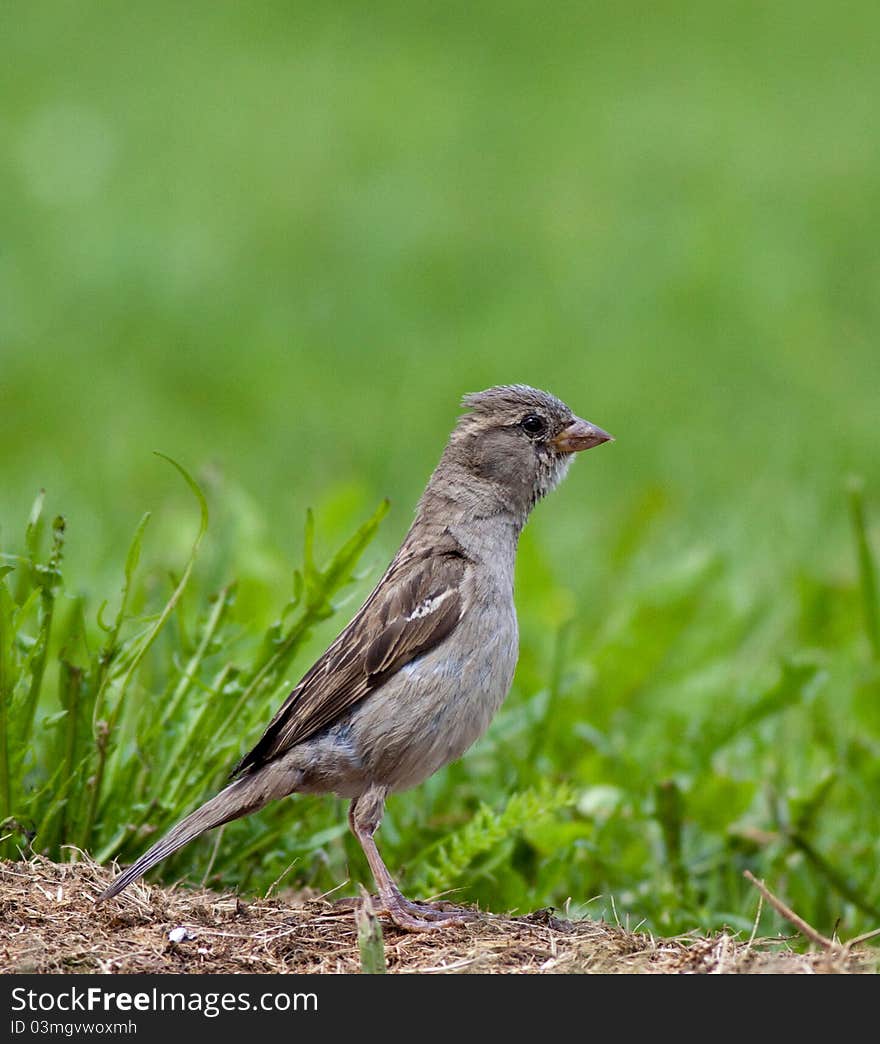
<point x="417" y="675"/>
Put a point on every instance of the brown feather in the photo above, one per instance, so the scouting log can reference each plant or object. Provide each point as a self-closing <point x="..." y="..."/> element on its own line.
<point x="414" y="607"/>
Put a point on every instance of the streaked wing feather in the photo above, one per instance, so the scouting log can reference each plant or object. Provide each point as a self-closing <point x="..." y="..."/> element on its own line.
<point x="415" y="605"/>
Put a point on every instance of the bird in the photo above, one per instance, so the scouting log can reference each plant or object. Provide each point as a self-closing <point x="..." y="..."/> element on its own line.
<point x="416" y="677"/>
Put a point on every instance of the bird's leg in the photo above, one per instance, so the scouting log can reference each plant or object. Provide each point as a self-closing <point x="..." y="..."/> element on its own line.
<point x="364" y="817"/>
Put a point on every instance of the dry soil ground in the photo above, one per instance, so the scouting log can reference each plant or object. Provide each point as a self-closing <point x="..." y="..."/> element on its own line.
<point x="48" y="924"/>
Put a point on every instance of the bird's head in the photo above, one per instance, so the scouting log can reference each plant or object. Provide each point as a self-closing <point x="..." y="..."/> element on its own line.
<point x="516" y="443"/>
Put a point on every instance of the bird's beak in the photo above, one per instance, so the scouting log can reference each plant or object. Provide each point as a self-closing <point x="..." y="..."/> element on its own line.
<point x="579" y="435"/>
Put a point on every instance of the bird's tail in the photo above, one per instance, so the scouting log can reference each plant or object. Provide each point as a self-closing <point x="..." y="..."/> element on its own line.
<point x="236" y="800"/>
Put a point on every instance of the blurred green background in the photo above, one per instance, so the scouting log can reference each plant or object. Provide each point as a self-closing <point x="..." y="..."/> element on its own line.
<point x="278" y="242"/>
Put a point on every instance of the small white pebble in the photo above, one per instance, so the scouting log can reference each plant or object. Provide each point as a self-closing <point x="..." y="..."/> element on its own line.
<point x="180" y="934"/>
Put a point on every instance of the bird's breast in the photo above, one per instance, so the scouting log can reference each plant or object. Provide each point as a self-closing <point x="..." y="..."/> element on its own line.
<point x="435" y="707"/>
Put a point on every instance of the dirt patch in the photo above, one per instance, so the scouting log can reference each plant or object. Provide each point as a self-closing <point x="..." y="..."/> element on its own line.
<point x="50" y="925"/>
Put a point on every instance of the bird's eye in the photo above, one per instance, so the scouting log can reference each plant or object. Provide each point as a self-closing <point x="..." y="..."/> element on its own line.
<point x="533" y="425"/>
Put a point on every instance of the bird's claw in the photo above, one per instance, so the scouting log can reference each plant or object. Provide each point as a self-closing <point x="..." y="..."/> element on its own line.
<point x="424" y="917"/>
<point x="410" y="916"/>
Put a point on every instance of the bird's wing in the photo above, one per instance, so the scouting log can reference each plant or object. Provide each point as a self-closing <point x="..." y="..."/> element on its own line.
<point x="415" y="605"/>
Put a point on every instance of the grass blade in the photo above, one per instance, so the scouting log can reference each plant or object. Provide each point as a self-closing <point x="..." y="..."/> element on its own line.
<point x="6" y="638"/>
<point x="867" y="566"/>
<point x="371" y="944"/>
<point x="104" y="731"/>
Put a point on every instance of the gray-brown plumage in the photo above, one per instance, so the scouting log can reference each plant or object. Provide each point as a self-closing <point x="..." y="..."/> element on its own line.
<point x="417" y="675"/>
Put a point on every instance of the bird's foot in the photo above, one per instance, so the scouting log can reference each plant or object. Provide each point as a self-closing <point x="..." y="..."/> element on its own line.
<point x="412" y="917"/>
<point x="424" y="917"/>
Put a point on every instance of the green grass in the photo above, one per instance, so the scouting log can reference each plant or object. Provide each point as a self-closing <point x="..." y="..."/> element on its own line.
<point x="706" y="750"/>
<point x="145" y="718"/>
<point x="278" y="248"/>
